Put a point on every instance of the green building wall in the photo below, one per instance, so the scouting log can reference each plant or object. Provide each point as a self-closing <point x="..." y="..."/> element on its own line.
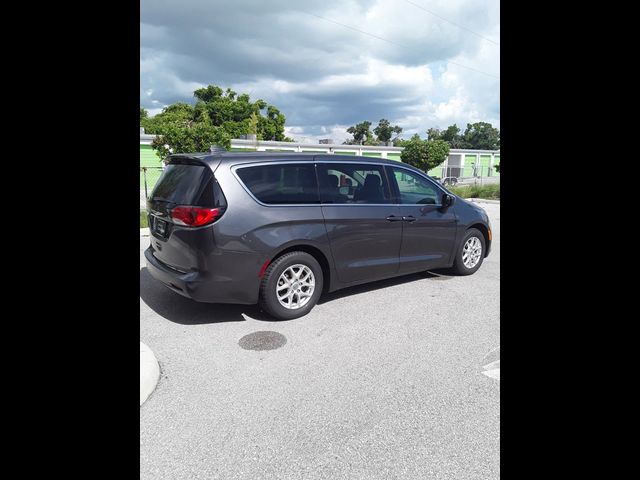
<point x="149" y="158"/>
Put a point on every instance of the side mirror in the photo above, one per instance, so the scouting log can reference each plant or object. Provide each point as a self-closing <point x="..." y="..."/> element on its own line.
<point x="447" y="200"/>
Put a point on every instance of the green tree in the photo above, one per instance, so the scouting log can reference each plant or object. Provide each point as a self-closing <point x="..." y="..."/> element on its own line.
<point x="143" y="114"/>
<point x="361" y="134"/>
<point x="178" y="114"/>
<point x="434" y="134"/>
<point x="384" y="131"/>
<point x="372" y="140"/>
<point x="253" y="124"/>
<point x="199" y="137"/>
<point x="481" y="135"/>
<point x="271" y="126"/>
<point x="424" y="154"/>
<point x="184" y="128"/>
<point x="217" y="116"/>
<point x="437" y="153"/>
<point x="451" y="135"/>
<point x="233" y="112"/>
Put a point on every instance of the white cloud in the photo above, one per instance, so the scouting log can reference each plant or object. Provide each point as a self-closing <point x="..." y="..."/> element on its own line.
<point x="338" y="133"/>
<point x="322" y="76"/>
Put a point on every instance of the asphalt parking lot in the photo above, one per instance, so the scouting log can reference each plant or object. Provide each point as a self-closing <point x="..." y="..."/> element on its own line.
<point x="386" y="380"/>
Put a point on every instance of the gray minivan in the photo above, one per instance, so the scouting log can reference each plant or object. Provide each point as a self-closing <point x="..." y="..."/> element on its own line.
<point x="279" y="229"/>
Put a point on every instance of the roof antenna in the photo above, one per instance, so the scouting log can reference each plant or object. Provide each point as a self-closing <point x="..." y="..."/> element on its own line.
<point x="216" y="149"/>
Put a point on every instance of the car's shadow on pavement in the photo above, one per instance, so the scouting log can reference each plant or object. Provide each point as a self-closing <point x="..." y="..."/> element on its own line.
<point x="184" y="311"/>
<point x="390" y="282"/>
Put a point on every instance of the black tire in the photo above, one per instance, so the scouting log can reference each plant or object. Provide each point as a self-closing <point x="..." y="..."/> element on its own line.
<point x="459" y="268"/>
<point x="268" y="299"/>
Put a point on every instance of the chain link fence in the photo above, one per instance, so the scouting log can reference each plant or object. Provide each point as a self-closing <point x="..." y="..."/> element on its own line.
<point x="148" y="178"/>
<point x="468" y="175"/>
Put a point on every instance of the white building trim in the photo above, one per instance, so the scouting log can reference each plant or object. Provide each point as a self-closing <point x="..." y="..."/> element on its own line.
<point x="359" y="150"/>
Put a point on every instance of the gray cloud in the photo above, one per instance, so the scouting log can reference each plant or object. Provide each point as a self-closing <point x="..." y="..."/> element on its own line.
<point x="321" y="75"/>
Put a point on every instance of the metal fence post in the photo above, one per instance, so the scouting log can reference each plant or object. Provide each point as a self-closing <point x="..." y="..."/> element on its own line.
<point x="144" y="173"/>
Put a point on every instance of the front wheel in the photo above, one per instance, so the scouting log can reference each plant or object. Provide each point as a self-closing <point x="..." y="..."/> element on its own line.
<point x="470" y="253"/>
<point x="291" y="286"/>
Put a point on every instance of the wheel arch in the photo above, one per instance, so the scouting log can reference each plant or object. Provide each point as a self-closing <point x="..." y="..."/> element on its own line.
<point x="485" y="233"/>
<point x="316" y="253"/>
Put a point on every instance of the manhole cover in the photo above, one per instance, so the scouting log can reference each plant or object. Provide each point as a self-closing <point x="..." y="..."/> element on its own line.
<point x="262" y="341"/>
<point x="491" y="364"/>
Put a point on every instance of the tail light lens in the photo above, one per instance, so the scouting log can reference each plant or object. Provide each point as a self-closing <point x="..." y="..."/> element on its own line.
<point x="194" y="216"/>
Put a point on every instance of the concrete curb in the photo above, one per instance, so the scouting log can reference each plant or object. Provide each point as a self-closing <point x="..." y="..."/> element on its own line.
<point x="149" y="372"/>
<point x="482" y="200"/>
<point x="144" y="232"/>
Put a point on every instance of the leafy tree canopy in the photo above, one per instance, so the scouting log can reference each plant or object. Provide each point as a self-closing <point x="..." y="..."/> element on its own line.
<point x="452" y="136"/>
<point x="424" y="154"/>
<point x="399" y="142"/>
<point x="434" y="134"/>
<point x="361" y="134"/>
<point x="217" y="116"/>
<point x="384" y="131"/>
<point x="197" y="138"/>
<point x="481" y="135"/>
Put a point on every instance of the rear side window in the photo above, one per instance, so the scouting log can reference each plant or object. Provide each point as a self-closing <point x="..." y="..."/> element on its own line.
<point x="281" y="184"/>
<point x="186" y="184"/>
<point x="353" y="183"/>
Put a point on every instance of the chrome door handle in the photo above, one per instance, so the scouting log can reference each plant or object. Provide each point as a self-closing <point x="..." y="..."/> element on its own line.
<point x="409" y="218"/>
<point x="393" y="218"/>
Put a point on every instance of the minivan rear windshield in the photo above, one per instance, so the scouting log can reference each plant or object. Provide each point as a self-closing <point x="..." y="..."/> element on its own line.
<point x="182" y="184"/>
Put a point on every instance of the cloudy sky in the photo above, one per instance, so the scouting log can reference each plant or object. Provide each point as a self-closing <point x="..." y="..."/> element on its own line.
<point x="409" y="67"/>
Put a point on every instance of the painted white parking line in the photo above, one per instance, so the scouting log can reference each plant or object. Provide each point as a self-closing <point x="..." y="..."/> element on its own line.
<point x="492" y="365"/>
<point x="492" y="370"/>
<point x="495" y="373"/>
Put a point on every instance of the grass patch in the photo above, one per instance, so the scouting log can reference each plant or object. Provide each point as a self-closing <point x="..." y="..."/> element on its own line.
<point x="144" y="222"/>
<point x="490" y="192"/>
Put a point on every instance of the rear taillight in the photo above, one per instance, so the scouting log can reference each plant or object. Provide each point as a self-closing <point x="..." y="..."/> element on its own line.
<point x="194" y="216"/>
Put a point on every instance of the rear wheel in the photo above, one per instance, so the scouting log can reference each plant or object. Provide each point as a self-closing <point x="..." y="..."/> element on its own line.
<point x="291" y="286"/>
<point x="470" y="253"/>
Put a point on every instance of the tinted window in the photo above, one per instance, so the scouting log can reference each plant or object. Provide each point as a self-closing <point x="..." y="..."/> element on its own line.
<point x="281" y="184"/>
<point x="415" y="189"/>
<point x="219" y="200"/>
<point x="353" y="183"/>
<point x="184" y="184"/>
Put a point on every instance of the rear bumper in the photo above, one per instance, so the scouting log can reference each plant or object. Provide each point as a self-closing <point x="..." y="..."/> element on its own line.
<point x="201" y="286"/>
